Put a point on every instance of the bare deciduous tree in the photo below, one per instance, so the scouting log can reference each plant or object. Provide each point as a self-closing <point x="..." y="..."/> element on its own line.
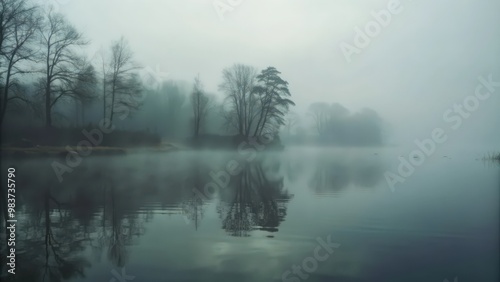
<point x="59" y="39"/>
<point x="238" y="83"/>
<point x="18" y="23"/>
<point x="200" y="103"/>
<point x="104" y="75"/>
<point x="320" y="112"/>
<point x="257" y="104"/>
<point x="124" y="83"/>
<point x="84" y="89"/>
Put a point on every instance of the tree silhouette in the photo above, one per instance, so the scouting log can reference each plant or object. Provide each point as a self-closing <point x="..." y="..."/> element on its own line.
<point x="273" y="96"/>
<point x="200" y="103"/>
<point x="18" y="24"/>
<point x="59" y="39"/>
<point x="124" y="83"/>
<point x="238" y="83"/>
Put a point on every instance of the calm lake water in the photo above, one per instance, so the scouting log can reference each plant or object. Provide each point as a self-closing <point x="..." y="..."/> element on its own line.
<point x="304" y="214"/>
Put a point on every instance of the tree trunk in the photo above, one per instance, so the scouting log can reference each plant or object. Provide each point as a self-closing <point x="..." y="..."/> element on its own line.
<point x="112" y="106"/>
<point x="6" y="90"/>
<point x="82" y="117"/>
<point x="4" y="104"/>
<point x="48" y="117"/>
<point x="76" y="113"/>
<point x="104" y="97"/>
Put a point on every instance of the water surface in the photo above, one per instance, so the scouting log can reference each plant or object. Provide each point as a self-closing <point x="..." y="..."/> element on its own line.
<point x="228" y="216"/>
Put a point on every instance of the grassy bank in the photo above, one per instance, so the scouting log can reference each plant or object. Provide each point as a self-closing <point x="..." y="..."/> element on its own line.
<point x="22" y="142"/>
<point x="28" y="137"/>
<point x="51" y="151"/>
<point x="59" y="151"/>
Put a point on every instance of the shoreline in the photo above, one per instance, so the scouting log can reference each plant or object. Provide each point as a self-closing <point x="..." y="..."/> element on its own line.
<point x="60" y="151"/>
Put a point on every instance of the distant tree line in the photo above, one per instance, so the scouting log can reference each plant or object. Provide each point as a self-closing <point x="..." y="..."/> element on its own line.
<point x="333" y="124"/>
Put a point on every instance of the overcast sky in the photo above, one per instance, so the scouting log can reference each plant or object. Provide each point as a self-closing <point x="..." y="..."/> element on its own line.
<point x="427" y="59"/>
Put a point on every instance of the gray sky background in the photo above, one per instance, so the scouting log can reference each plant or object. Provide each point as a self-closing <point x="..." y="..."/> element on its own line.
<point x="426" y="60"/>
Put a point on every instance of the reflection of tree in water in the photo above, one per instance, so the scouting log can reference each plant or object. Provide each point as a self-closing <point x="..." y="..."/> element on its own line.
<point x="254" y="200"/>
<point x="61" y="220"/>
<point x="335" y="175"/>
<point x="118" y="224"/>
<point x="192" y="205"/>
<point x="102" y="208"/>
<point x="193" y="209"/>
<point x="52" y="242"/>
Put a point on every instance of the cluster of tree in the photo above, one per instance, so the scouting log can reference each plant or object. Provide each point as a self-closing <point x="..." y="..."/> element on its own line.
<point x="43" y="70"/>
<point x="164" y="111"/>
<point x="44" y="50"/>
<point x="255" y="104"/>
<point x="334" y="124"/>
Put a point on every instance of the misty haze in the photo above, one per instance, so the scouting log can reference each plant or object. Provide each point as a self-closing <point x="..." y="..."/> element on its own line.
<point x="249" y="140"/>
